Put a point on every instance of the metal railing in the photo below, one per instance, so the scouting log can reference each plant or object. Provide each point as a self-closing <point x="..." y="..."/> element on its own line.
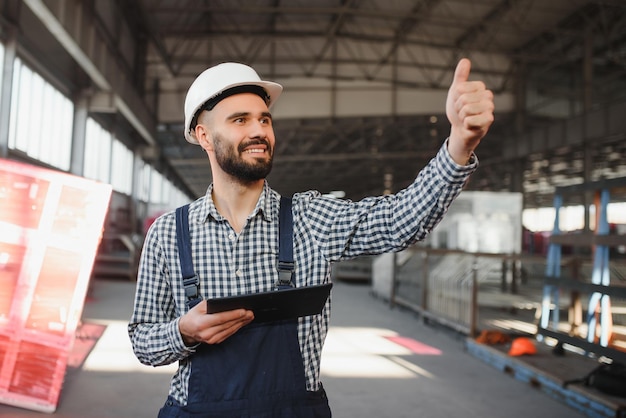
<point x="442" y="285"/>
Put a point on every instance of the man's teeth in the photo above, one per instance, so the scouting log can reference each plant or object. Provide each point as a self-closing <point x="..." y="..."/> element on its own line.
<point x="255" y="151"/>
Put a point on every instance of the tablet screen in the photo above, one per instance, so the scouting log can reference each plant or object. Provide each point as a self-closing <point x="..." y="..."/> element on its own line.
<point x="276" y="305"/>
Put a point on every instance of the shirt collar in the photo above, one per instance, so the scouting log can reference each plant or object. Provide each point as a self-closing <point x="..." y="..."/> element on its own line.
<point x="265" y="206"/>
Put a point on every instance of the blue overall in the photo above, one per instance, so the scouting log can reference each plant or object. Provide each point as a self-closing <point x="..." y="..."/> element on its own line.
<point x="257" y="372"/>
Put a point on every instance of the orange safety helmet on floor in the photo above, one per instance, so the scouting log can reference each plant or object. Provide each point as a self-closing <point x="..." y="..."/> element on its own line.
<point x="521" y="346"/>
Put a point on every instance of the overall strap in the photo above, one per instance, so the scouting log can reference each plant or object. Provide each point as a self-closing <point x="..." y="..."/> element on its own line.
<point x="286" y="265"/>
<point x="285" y="244"/>
<point x="190" y="279"/>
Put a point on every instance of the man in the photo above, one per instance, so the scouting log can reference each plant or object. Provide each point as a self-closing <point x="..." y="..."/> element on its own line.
<point x="228" y="366"/>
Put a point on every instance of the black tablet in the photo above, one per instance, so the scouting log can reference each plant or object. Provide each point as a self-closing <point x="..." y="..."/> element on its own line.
<point x="276" y="305"/>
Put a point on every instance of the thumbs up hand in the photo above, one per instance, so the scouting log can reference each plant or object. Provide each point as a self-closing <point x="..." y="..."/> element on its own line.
<point x="469" y="108"/>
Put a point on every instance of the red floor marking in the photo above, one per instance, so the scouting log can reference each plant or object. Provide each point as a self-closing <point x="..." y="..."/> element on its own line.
<point x="415" y="346"/>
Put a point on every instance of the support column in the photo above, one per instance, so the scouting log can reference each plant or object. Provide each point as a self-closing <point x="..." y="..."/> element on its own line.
<point x="6" y="88"/>
<point x="587" y="101"/>
<point x="79" y="134"/>
<point x="520" y="97"/>
<point x="587" y="194"/>
<point x="588" y="69"/>
<point x="517" y="176"/>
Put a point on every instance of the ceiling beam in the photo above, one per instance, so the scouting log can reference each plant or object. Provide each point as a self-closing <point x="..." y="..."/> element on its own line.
<point x="95" y="59"/>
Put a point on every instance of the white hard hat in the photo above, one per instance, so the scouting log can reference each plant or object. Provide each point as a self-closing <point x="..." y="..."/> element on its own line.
<point x="216" y="80"/>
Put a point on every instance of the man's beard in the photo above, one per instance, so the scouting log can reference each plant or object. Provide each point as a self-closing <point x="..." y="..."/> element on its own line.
<point x="231" y="162"/>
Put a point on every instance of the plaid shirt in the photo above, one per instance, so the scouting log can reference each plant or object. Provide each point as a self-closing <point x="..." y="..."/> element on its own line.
<point x="325" y="230"/>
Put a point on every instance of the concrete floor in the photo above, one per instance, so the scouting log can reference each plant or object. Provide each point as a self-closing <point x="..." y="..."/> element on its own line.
<point x="377" y="362"/>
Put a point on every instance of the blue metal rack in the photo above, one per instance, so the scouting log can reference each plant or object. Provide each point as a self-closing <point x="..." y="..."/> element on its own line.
<point x="599" y="316"/>
<point x="550" y="301"/>
<point x="600" y="276"/>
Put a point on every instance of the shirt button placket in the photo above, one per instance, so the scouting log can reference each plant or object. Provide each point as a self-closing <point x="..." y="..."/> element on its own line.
<point x="235" y="258"/>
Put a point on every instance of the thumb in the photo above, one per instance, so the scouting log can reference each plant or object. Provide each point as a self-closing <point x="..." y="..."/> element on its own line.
<point x="461" y="74"/>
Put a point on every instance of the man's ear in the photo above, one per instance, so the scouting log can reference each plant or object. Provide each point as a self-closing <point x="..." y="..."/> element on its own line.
<point x="204" y="137"/>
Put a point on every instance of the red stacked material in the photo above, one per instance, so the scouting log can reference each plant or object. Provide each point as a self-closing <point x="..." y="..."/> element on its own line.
<point x="50" y="224"/>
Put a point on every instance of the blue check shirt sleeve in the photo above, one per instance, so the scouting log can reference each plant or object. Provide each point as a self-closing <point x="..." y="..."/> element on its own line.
<point x="344" y="229"/>
<point x="153" y="328"/>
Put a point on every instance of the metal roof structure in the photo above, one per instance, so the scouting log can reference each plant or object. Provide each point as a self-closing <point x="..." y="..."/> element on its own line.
<point x="365" y="82"/>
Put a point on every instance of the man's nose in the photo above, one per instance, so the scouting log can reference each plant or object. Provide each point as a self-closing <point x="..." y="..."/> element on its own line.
<point x="258" y="129"/>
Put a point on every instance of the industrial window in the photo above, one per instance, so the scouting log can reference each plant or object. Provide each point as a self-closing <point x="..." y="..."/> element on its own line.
<point x="172" y="195"/>
<point x="122" y="176"/>
<point x="143" y="182"/>
<point x="41" y="118"/>
<point x="98" y="144"/>
<point x="156" y="187"/>
<point x="101" y="150"/>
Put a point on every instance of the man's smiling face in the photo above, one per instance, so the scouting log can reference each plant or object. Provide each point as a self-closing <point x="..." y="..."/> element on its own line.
<point x="242" y="137"/>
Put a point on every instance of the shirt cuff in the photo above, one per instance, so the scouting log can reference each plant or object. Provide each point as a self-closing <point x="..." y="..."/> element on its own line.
<point x="455" y="173"/>
<point x="176" y="339"/>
